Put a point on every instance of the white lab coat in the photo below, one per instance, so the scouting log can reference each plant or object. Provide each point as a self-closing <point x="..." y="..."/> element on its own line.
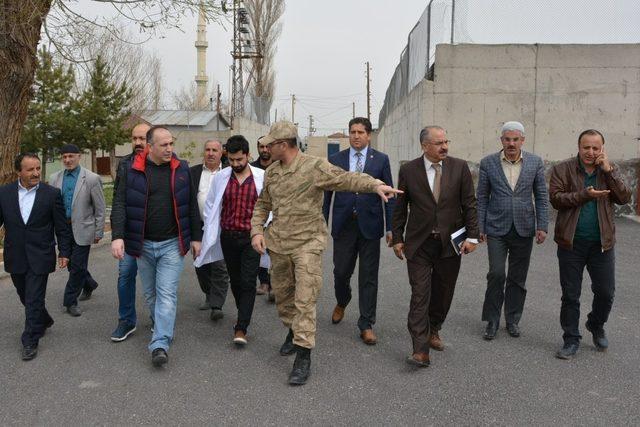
<point x="211" y="250"/>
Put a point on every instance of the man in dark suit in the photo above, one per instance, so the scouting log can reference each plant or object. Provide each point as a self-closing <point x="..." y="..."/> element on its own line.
<point x="438" y="200"/>
<point x="31" y="212"/>
<point x="358" y="223"/>
<point x="508" y="222"/>
<point x="212" y="277"/>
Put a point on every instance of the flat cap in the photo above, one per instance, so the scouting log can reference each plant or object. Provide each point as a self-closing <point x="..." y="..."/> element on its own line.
<point x="69" y="148"/>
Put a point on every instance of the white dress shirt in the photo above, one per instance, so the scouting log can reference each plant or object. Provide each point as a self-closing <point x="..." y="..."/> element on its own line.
<point x="431" y="177"/>
<point x="431" y="171"/>
<point x="26" y="199"/>
<point x="203" y="187"/>
<point x="353" y="158"/>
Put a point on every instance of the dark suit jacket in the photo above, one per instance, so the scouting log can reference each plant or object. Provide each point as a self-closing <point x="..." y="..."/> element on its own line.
<point x="456" y="207"/>
<point x="32" y="245"/>
<point x="371" y="210"/>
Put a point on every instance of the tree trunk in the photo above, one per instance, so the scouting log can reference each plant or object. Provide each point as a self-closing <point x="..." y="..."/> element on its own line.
<point x="94" y="160"/>
<point x="20" y="25"/>
<point x="113" y="163"/>
<point x="43" y="171"/>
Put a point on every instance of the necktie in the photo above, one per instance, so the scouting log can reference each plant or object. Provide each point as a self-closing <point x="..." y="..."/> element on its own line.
<point x="436" y="181"/>
<point x="359" y="167"/>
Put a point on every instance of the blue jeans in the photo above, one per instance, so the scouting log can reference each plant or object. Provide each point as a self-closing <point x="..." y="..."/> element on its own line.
<point x="160" y="268"/>
<point x="127" y="271"/>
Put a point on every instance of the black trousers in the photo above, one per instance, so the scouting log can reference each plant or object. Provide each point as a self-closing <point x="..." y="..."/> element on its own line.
<point x="214" y="282"/>
<point x="79" y="276"/>
<point x="31" y="289"/>
<point x="509" y="287"/>
<point x="264" y="277"/>
<point x="242" y="265"/>
<point x="348" y="246"/>
<point x="433" y="281"/>
<point x="601" y="268"/>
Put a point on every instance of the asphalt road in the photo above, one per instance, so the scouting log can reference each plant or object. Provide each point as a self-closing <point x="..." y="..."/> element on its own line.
<point x="81" y="378"/>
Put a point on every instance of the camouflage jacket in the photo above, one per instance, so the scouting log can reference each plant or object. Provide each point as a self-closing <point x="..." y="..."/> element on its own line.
<point x="295" y="195"/>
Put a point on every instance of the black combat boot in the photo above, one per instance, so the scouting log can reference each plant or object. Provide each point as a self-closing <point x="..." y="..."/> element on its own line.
<point x="301" y="366"/>
<point x="288" y="347"/>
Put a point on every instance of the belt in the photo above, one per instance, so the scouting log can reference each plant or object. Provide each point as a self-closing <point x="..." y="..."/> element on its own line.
<point x="240" y="233"/>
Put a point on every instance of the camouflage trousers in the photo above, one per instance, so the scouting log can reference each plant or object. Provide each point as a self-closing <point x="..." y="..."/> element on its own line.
<point x="296" y="280"/>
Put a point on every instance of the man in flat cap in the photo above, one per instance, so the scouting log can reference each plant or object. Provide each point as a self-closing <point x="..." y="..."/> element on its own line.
<point x="293" y="191"/>
<point x="84" y="211"/>
<point x="509" y="182"/>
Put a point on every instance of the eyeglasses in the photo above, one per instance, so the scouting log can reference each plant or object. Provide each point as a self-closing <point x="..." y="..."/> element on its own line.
<point x="439" y="143"/>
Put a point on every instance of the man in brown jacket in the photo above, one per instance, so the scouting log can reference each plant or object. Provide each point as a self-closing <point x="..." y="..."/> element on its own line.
<point x="584" y="189"/>
<point x="438" y="200"/>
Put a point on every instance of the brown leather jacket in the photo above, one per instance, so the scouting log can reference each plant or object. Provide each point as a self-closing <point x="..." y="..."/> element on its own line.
<point x="567" y="194"/>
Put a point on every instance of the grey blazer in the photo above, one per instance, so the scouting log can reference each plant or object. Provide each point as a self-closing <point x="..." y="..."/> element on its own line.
<point x="88" y="206"/>
<point x="499" y="206"/>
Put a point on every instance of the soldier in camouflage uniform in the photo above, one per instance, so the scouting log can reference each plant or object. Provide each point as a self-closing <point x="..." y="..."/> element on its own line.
<point x="293" y="191"/>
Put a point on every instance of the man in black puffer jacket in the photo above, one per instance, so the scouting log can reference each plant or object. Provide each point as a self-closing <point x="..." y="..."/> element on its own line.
<point x="155" y="219"/>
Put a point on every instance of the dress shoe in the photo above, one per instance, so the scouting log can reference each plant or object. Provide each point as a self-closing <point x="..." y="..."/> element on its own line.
<point x="567" y="351"/>
<point x="85" y="295"/>
<point x="490" y="332"/>
<point x="29" y="352"/>
<point x="74" y="310"/>
<point x="338" y="314"/>
<point x="205" y="305"/>
<point x="301" y="366"/>
<point x="368" y="337"/>
<point x="513" y="329"/>
<point x="262" y="289"/>
<point x="599" y="337"/>
<point x="421" y="360"/>
<point x="287" y="347"/>
<point x="216" y="314"/>
<point x="159" y="357"/>
<point x="272" y="297"/>
<point x="240" y="338"/>
<point x="435" y="342"/>
<point x="87" y="292"/>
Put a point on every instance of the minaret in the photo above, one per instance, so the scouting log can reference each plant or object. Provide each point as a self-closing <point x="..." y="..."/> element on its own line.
<point x="201" y="76"/>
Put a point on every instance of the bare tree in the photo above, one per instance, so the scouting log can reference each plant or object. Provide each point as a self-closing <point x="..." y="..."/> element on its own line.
<point x="264" y="18"/>
<point x="129" y="63"/>
<point x="21" y="25"/>
<point x="186" y="98"/>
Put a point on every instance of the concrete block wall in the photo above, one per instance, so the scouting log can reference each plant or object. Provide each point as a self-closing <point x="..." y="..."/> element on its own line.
<point x="556" y="91"/>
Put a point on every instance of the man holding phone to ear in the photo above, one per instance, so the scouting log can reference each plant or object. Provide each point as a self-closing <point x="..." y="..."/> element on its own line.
<point x="584" y="189"/>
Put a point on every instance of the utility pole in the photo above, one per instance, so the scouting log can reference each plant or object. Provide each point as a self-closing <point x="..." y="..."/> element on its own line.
<point x="453" y="15"/>
<point x="243" y="48"/>
<point x="218" y="95"/>
<point x="353" y="110"/>
<point x="311" y="128"/>
<point x="293" y="109"/>
<point x="368" y="91"/>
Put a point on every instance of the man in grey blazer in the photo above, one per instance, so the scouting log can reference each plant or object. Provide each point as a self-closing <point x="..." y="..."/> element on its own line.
<point x="85" y="209"/>
<point x="508" y="222"/>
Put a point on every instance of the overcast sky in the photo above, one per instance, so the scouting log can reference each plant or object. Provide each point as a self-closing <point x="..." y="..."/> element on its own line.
<point x="325" y="44"/>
